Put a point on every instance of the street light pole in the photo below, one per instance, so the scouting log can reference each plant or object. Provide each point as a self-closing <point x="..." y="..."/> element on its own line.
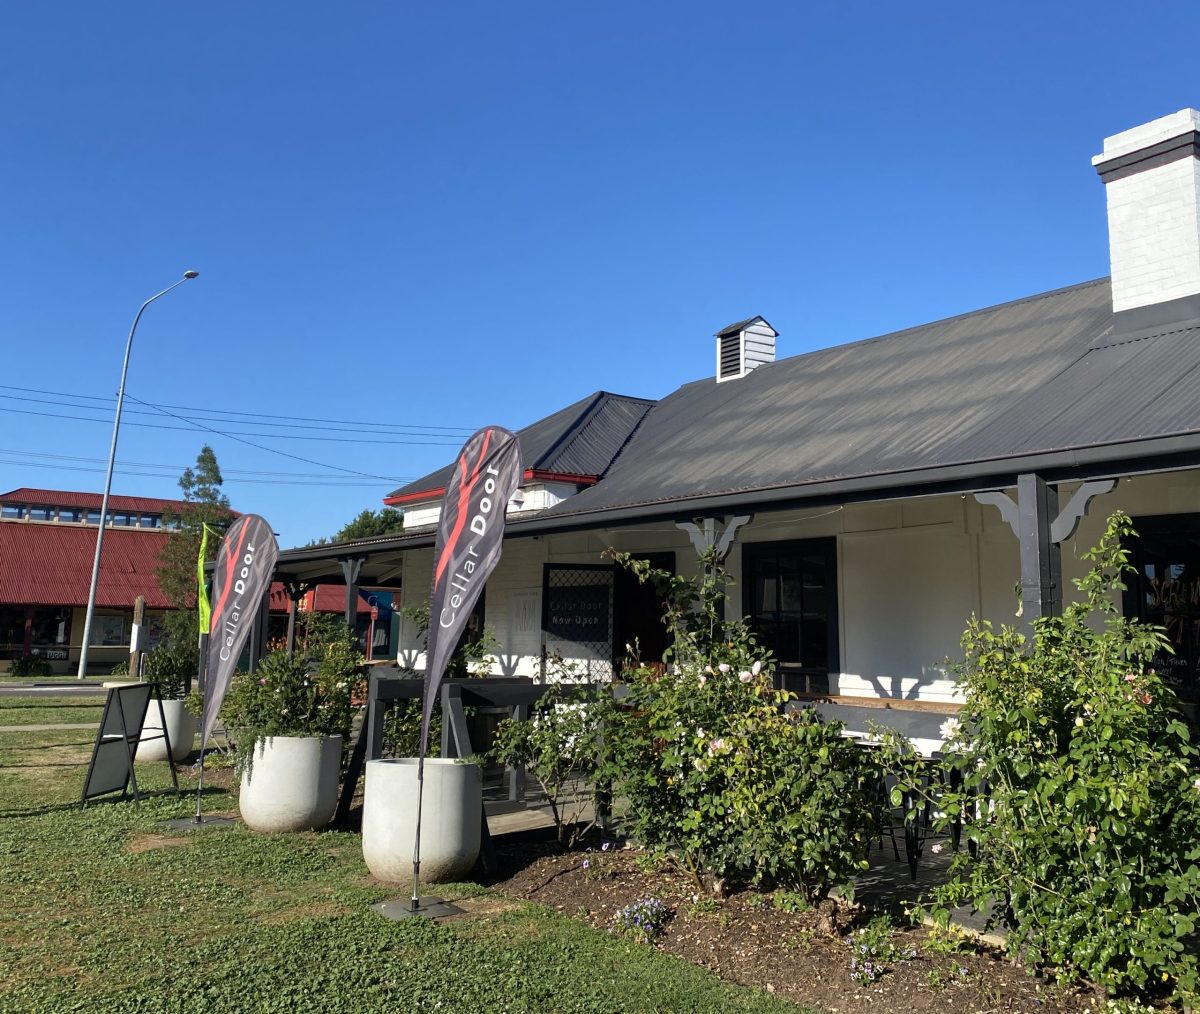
<point x="112" y="457"/>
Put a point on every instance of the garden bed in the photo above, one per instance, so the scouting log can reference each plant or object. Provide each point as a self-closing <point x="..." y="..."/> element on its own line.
<point x="775" y="942"/>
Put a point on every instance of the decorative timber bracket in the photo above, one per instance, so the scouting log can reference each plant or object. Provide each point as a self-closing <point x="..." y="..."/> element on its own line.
<point x="704" y="536"/>
<point x="351" y="568"/>
<point x="1041" y="528"/>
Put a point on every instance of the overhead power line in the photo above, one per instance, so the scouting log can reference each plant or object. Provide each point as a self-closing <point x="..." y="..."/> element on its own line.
<point x="440" y="440"/>
<point x="269" y="450"/>
<point x="10" y="456"/>
<point x="253" y="418"/>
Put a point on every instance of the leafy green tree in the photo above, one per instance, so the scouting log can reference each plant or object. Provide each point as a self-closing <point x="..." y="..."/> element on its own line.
<point x="204" y="503"/>
<point x="370" y="524"/>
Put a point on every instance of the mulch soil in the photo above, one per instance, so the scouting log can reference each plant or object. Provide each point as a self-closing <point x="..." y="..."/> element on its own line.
<point x="744" y="938"/>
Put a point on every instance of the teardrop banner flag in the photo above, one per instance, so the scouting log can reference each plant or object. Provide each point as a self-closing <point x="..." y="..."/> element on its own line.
<point x="245" y="564"/>
<point x="486" y="475"/>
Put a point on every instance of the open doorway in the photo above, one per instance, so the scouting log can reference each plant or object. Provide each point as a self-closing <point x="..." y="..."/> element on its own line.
<point x="638" y="614"/>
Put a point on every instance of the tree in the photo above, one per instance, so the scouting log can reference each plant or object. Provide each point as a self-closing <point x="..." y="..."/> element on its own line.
<point x="371" y="523"/>
<point x="204" y="503"/>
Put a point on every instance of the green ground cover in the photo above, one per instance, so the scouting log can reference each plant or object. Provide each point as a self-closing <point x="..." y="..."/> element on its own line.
<point x="53" y="710"/>
<point x="105" y="909"/>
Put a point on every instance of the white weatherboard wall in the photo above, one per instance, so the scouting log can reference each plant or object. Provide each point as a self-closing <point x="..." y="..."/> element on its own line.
<point x="911" y="573"/>
<point x="536" y="496"/>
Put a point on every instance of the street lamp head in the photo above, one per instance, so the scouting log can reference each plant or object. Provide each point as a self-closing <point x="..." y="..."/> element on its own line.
<point x="191" y="274"/>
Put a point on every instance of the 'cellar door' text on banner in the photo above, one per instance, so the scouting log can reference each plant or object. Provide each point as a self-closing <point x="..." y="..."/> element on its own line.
<point x="245" y="564"/>
<point x="485" y="477"/>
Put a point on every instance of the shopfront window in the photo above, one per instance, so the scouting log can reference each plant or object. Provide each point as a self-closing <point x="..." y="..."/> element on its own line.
<point x="12" y="631"/>
<point x="108" y="632"/>
<point x="50" y="626"/>
<point x="1165" y="590"/>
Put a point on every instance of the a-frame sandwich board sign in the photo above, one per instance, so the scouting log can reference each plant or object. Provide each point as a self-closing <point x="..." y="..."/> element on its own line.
<point x="111" y="766"/>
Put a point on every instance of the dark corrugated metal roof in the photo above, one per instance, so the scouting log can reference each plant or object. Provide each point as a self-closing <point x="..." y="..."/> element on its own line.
<point x="1012" y="380"/>
<point x="581" y="439"/>
<point x="51" y="564"/>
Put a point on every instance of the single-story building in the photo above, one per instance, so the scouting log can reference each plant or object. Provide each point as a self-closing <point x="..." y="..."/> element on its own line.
<point x="47" y="546"/>
<point x="869" y="497"/>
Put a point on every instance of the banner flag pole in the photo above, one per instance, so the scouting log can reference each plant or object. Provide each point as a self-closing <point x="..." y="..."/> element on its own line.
<point x="245" y="565"/>
<point x="469" y="540"/>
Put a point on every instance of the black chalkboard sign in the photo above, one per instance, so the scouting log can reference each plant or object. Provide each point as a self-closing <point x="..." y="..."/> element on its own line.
<point x="578" y="614"/>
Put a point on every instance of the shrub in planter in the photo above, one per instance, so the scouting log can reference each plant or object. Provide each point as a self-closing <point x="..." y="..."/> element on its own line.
<point x="290" y="724"/>
<point x="172" y="668"/>
<point x="283" y="697"/>
<point x="1088" y="833"/>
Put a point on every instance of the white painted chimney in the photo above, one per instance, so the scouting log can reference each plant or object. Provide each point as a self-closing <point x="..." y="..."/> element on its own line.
<point x="744" y="346"/>
<point x="1151" y="176"/>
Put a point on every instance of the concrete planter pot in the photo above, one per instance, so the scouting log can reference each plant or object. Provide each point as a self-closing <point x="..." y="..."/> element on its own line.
<point x="450" y="819"/>
<point x="181" y="728"/>
<point x="291" y="783"/>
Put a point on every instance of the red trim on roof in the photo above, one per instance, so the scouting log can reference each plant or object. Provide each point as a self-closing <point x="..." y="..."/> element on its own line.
<point x="51" y="565"/>
<point x="529" y="475"/>
<point x="425" y="494"/>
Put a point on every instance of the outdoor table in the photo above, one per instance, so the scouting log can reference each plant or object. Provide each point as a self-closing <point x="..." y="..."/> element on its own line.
<point x="938" y="770"/>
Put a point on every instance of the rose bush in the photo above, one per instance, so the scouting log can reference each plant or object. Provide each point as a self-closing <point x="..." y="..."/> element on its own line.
<point x="718" y="774"/>
<point x="1081" y="792"/>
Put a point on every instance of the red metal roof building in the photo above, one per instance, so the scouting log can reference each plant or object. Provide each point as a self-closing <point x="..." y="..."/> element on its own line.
<point x="47" y="545"/>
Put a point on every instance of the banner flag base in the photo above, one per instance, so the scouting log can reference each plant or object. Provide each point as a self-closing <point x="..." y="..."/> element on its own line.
<point x="428" y="907"/>
<point x="197" y="823"/>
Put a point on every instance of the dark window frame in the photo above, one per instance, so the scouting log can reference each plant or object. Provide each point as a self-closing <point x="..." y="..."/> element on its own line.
<point x="1183" y="672"/>
<point x="794" y="675"/>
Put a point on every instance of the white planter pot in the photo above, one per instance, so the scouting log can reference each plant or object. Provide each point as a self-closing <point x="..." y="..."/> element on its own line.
<point x="292" y="783"/>
<point x="450" y="824"/>
<point x="181" y="727"/>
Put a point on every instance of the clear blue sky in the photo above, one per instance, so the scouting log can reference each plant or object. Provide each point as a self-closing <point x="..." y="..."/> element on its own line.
<point x="453" y="214"/>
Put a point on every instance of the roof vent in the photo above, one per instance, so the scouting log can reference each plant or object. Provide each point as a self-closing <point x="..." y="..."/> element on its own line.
<point x="743" y="346"/>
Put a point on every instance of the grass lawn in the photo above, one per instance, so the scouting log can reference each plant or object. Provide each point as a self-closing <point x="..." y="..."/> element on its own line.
<point x="53" y="710"/>
<point x="105" y="910"/>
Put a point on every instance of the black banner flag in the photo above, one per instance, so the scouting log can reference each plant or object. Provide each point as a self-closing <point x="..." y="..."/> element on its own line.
<point x="485" y="477"/>
<point x="245" y="563"/>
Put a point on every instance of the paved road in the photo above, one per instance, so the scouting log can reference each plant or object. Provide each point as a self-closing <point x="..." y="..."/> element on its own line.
<point x="88" y="687"/>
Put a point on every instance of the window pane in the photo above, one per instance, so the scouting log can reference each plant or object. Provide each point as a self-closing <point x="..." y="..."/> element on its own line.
<point x="151" y="521"/>
<point x="41" y="513"/>
<point x="790" y="601"/>
<point x="1166" y="591"/>
<point x="108" y="631"/>
<point x="14" y="511"/>
<point x="51" y="626"/>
